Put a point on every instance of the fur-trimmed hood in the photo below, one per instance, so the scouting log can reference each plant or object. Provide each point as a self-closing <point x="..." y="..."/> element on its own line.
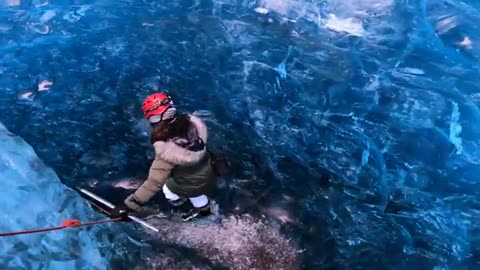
<point x="172" y="151"/>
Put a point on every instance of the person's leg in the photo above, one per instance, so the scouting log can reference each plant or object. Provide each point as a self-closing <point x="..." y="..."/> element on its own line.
<point x="200" y="201"/>
<point x="201" y="206"/>
<point x="173" y="198"/>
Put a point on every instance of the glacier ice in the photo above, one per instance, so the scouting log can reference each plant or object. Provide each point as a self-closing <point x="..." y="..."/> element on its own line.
<point x="353" y="124"/>
<point x="33" y="197"/>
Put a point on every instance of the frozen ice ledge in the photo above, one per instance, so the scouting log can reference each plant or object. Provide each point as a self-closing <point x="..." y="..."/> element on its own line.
<point x="32" y="196"/>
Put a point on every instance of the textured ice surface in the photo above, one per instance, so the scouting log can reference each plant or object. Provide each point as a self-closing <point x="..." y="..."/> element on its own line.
<point x="357" y="137"/>
<point x="236" y="243"/>
<point x="33" y="197"/>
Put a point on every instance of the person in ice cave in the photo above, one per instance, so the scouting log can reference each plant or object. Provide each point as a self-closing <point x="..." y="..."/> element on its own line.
<point x="182" y="167"/>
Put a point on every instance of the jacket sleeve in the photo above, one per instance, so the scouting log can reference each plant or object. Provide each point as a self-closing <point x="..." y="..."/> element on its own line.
<point x="160" y="171"/>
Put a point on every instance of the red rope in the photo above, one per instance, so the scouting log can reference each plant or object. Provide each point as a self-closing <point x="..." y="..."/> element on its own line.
<point x="69" y="223"/>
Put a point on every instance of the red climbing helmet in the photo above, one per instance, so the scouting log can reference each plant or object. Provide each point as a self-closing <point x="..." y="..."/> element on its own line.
<point x="156" y="104"/>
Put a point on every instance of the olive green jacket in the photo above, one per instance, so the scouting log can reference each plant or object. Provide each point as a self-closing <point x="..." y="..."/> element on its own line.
<point x="186" y="173"/>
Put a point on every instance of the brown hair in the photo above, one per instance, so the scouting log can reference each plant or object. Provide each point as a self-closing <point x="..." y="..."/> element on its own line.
<point x="169" y="129"/>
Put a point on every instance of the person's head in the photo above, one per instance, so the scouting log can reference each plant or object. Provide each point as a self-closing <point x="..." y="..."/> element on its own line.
<point x="159" y="111"/>
<point x="158" y="107"/>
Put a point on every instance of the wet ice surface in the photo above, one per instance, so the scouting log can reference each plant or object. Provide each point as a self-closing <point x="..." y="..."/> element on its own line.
<point x="352" y="125"/>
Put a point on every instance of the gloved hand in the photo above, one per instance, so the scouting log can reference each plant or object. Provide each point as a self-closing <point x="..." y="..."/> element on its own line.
<point x="121" y="211"/>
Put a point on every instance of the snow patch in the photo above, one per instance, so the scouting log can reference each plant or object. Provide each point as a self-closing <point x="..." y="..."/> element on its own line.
<point x="261" y="10"/>
<point x="456" y="129"/>
<point x="348" y="25"/>
<point x="47" y="16"/>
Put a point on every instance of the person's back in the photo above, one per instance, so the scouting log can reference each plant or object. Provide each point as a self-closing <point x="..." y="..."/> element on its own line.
<point x="182" y="167"/>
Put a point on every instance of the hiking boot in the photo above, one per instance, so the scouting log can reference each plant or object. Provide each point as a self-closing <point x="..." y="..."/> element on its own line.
<point x="177" y="203"/>
<point x="197" y="212"/>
